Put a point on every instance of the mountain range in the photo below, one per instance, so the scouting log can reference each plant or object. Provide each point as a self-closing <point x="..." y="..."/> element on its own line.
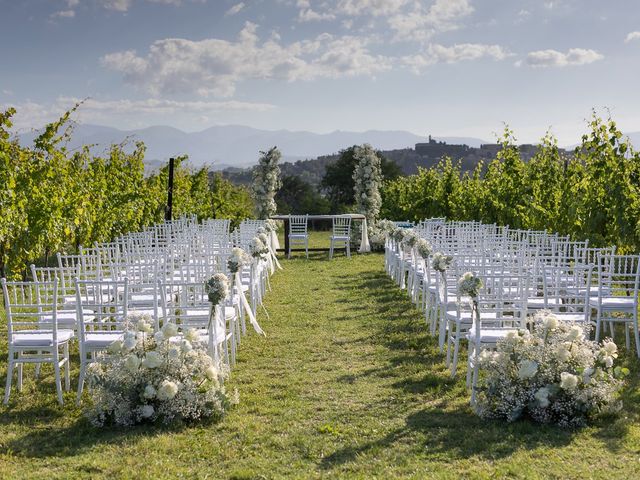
<point x="238" y="146"/>
<point x="235" y="145"/>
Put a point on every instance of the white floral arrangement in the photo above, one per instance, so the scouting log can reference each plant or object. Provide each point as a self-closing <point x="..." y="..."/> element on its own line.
<point x="266" y="182"/>
<point x="237" y="260"/>
<point x="257" y="248"/>
<point x="423" y="247"/>
<point x="271" y="225"/>
<point x="398" y="234"/>
<point x="264" y="239"/>
<point x="553" y="374"/>
<point x="469" y="285"/>
<point x="156" y="378"/>
<point x="441" y="262"/>
<point x="387" y="226"/>
<point x="367" y="176"/>
<point x="217" y="288"/>
<point x="410" y="238"/>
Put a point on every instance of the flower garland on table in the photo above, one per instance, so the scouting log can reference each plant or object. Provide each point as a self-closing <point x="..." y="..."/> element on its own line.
<point x="156" y="378"/>
<point x="553" y="374"/>
<point x="237" y="260"/>
<point x="266" y="182"/>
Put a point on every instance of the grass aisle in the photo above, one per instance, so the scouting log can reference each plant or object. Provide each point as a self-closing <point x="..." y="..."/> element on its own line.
<point x="347" y="384"/>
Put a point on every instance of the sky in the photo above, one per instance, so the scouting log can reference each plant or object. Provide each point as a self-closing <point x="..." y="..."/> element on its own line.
<point x="440" y="67"/>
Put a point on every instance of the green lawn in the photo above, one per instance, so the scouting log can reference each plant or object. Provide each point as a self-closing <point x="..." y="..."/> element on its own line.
<point x="346" y="384"/>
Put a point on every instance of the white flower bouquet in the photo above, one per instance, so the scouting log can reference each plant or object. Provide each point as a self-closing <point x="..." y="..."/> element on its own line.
<point x="238" y="259"/>
<point x="423" y="247"/>
<point x="258" y="248"/>
<point x="553" y="374"/>
<point x="469" y="285"/>
<point x="441" y="262"/>
<point x="271" y="225"/>
<point x="157" y="378"/>
<point x="217" y="288"/>
<point x="410" y="238"/>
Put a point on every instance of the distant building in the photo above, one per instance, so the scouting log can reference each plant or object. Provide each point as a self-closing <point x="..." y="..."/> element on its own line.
<point x="434" y="149"/>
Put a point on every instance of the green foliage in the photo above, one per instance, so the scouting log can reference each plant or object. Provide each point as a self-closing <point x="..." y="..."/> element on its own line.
<point x="338" y="180"/>
<point x="593" y="194"/>
<point x="52" y="200"/>
<point x="299" y="197"/>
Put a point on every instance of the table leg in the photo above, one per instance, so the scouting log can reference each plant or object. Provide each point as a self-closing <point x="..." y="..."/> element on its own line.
<point x="286" y="237"/>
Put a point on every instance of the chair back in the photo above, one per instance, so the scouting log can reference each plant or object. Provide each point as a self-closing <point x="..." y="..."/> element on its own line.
<point x="101" y="305"/>
<point x="341" y="226"/>
<point x="31" y="306"/>
<point x="298" y="224"/>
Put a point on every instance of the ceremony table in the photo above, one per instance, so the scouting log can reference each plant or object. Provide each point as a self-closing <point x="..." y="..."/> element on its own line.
<point x="364" y="238"/>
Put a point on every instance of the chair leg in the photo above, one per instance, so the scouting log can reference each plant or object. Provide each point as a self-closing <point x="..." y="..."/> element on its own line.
<point x="83" y="372"/>
<point x="456" y="350"/>
<point x="598" y="324"/>
<point x="67" y="373"/>
<point x="20" y="369"/>
<point x="56" y="368"/>
<point x="306" y="247"/>
<point x="7" y="388"/>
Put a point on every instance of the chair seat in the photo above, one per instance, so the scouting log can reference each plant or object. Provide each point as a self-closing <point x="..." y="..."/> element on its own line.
<point x="298" y="235"/>
<point x="96" y="340"/>
<point x="489" y="335"/>
<point x="614" y="303"/>
<point x="539" y="302"/>
<point x="570" y="317"/>
<point x="465" y="317"/>
<point x="340" y="237"/>
<point x="41" y="338"/>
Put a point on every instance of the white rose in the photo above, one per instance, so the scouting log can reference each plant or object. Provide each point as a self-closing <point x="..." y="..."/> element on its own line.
<point x="143" y="326"/>
<point x="167" y="390"/>
<point x="130" y="343"/>
<point x="152" y="360"/>
<point x="186" y="346"/>
<point x="542" y="396"/>
<point x="610" y="348"/>
<point x="147" y="411"/>
<point x="192" y="335"/>
<point x="527" y="369"/>
<point x="169" y="330"/>
<point x="568" y="381"/>
<point x="211" y="372"/>
<point x="132" y="363"/>
<point x="158" y="337"/>
<point x="575" y="333"/>
<point x="608" y="361"/>
<point x="149" y="392"/>
<point x="115" y="347"/>
<point x="550" y="322"/>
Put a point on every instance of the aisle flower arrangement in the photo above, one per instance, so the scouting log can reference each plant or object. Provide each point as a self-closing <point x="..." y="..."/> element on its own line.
<point x="160" y="378"/>
<point x="553" y="374"/>
<point x="237" y="260"/>
<point x="257" y="248"/>
<point x="424" y="248"/>
<point x="441" y="262"/>
<point x="266" y="182"/>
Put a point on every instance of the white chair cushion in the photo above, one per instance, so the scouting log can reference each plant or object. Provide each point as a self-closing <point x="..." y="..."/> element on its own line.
<point x="40" y="338"/>
<point x="489" y="335"/>
<point x="614" y="303"/>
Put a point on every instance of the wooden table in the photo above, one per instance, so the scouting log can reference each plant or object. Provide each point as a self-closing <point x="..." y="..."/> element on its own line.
<point x="364" y="240"/>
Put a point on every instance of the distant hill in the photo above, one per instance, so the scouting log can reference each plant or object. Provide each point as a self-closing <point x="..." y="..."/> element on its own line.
<point x="236" y="145"/>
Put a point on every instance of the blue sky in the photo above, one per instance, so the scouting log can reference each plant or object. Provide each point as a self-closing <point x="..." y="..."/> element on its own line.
<point x="445" y="67"/>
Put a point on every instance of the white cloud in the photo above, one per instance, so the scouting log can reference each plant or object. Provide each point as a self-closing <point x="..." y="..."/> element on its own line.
<point x="420" y="24"/>
<point x="34" y="115"/>
<point x="214" y="66"/>
<point x="237" y="8"/>
<point x="308" y="15"/>
<point x="632" y="36"/>
<point x="453" y="54"/>
<point x="375" y="8"/>
<point x="117" y="5"/>
<point x="554" y="58"/>
<point x="63" y="14"/>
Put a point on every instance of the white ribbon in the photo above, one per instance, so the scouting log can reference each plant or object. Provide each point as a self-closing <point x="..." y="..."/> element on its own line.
<point x="273" y="256"/>
<point x="246" y="306"/>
